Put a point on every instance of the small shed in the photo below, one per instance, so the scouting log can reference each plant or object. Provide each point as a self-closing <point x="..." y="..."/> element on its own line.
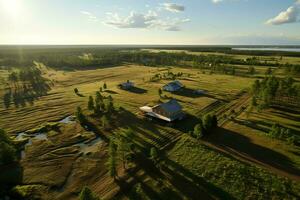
<point x="127" y="85"/>
<point x="173" y="86"/>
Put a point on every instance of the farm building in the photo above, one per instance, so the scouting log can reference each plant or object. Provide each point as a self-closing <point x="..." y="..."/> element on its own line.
<point x="168" y="111"/>
<point x="127" y="85"/>
<point x="173" y="86"/>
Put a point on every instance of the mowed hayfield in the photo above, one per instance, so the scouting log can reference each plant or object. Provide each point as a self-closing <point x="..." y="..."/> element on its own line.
<point x="61" y="100"/>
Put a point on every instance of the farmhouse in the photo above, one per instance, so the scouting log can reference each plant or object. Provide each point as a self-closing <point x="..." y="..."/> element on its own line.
<point x="168" y="111"/>
<point x="173" y="86"/>
<point x="127" y="85"/>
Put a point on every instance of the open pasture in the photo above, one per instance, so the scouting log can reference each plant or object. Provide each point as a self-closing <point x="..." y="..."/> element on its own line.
<point x="61" y="100"/>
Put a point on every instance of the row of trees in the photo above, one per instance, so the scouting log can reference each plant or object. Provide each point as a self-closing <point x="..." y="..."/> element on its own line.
<point x="121" y="149"/>
<point x="279" y="132"/>
<point x="166" y="76"/>
<point x="206" y="124"/>
<point x="25" y="85"/>
<point x="271" y="88"/>
<point x="72" y="58"/>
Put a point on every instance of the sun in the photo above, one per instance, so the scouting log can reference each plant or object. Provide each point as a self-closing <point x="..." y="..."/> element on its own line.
<point x="10" y="7"/>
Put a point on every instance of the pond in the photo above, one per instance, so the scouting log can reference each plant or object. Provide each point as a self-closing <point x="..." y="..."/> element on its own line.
<point x="68" y="120"/>
<point x="90" y="147"/>
<point x="23" y="136"/>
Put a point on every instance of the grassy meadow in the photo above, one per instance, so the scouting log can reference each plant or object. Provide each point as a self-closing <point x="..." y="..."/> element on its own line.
<point x="61" y="101"/>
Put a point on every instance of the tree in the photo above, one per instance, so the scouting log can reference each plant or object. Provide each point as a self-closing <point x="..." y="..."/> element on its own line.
<point x="91" y="104"/>
<point x="198" y="131"/>
<point x="110" y="104"/>
<point x="153" y="154"/>
<point x="76" y="90"/>
<point x="207" y="122"/>
<point x="104" y="86"/>
<point x="214" y="121"/>
<point x="255" y="87"/>
<point x="251" y="70"/>
<point x="232" y="71"/>
<point x="79" y="115"/>
<point x="159" y="92"/>
<point x="112" y="160"/>
<point x="254" y="101"/>
<point x="7" y="149"/>
<point x="269" y="71"/>
<point x="87" y="194"/>
<point x="99" y="97"/>
<point x="125" y="145"/>
<point x="104" y="121"/>
<point x="13" y="77"/>
<point x="275" y="130"/>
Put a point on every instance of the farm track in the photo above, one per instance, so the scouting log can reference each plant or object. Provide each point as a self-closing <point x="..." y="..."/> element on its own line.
<point x="237" y="106"/>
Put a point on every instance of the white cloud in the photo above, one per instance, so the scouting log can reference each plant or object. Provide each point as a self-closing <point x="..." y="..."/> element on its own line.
<point x="291" y="15"/>
<point x="172" y="7"/>
<point x="217" y="1"/>
<point x="91" y="17"/>
<point x="149" y="20"/>
<point x="134" y="20"/>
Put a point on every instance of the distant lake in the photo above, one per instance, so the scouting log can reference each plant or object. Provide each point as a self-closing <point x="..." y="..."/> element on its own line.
<point x="269" y="49"/>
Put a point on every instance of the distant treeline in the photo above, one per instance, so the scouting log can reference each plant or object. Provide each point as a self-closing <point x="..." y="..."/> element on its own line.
<point x="73" y="58"/>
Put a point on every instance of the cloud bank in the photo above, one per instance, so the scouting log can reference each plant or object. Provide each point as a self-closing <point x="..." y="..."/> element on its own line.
<point x="149" y="20"/>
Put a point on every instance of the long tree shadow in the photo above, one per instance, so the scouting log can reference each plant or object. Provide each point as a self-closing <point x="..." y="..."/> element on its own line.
<point x="137" y="90"/>
<point x="242" y="147"/>
<point x="23" y="95"/>
<point x="188" y="92"/>
<point x="138" y="125"/>
<point x="288" y="115"/>
<point x="254" y="124"/>
<point x="192" y="186"/>
<point x="186" y="183"/>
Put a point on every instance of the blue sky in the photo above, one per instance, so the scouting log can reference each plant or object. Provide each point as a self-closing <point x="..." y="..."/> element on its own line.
<point x="150" y="22"/>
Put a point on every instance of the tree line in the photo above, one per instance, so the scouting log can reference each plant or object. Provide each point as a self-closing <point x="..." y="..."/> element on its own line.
<point x="273" y="90"/>
<point x="73" y="59"/>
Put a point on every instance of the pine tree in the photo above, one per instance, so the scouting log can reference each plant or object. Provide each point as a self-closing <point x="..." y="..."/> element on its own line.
<point x="153" y="154"/>
<point x="112" y="160"/>
<point x="79" y="115"/>
<point x="104" y="86"/>
<point x="91" y="104"/>
<point x="104" y="121"/>
<point x="125" y="146"/>
<point x="198" y="131"/>
<point x="159" y="92"/>
<point x="87" y="194"/>
<point x="207" y="122"/>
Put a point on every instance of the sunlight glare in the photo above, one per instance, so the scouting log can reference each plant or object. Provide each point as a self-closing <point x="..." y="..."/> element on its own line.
<point x="10" y="7"/>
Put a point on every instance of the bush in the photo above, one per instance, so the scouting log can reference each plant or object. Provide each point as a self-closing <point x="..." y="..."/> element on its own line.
<point x="87" y="194"/>
<point x="7" y="149"/>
